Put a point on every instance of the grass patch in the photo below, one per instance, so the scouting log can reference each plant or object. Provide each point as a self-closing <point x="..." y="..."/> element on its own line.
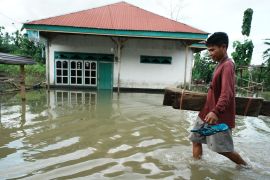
<point x="34" y="73"/>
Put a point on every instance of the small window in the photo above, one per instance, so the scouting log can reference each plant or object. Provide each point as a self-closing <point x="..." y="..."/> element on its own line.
<point x="145" y="60"/>
<point x="65" y="64"/>
<point x="156" y="59"/>
<point x="58" y="64"/>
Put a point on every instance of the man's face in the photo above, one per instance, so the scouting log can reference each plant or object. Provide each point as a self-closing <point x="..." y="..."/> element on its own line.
<point x="217" y="53"/>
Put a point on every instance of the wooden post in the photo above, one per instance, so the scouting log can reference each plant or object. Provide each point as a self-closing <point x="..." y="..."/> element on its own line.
<point x="119" y="44"/>
<point x="22" y="87"/>
<point x="185" y="75"/>
<point x="48" y="65"/>
<point x="0" y="107"/>
<point x="190" y="74"/>
<point x="22" y="82"/>
<point x="23" y="112"/>
<point x="119" y="64"/>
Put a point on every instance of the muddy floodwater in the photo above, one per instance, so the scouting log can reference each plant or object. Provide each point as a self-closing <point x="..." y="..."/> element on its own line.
<point x="98" y="135"/>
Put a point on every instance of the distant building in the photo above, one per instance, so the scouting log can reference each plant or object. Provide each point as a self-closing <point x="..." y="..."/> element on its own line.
<point x="117" y="45"/>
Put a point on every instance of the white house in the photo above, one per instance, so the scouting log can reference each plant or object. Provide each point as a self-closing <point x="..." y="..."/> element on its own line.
<point x="117" y="46"/>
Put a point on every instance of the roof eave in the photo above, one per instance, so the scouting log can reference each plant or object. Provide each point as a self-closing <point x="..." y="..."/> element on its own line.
<point x="115" y="32"/>
<point x="198" y="47"/>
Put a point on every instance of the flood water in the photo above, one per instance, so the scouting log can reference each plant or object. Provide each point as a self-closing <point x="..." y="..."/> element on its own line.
<point x="98" y="135"/>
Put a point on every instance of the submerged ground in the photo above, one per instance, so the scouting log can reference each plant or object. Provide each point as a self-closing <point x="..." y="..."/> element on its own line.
<point x="98" y="135"/>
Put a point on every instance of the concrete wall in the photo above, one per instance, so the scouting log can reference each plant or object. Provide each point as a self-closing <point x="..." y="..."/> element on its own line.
<point x="133" y="73"/>
<point x="140" y="75"/>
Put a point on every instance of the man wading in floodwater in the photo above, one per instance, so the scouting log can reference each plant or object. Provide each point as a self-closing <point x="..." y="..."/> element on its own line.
<point x="220" y="103"/>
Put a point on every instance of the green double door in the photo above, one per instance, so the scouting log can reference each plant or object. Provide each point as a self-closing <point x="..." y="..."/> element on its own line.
<point x="105" y="75"/>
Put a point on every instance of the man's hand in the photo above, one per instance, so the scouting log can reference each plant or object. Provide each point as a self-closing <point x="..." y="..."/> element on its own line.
<point x="211" y="118"/>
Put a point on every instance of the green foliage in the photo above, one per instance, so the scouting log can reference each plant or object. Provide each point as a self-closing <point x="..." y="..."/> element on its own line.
<point x="256" y="74"/>
<point x="28" y="48"/>
<point x="242" y="53"/>
<point x="34" y="73"/>
<point x="10" y="70"/>
<point x="19" y="44"/>
<point x="266" y="54"/>
<point x="261" y="74"/>
<point x="266" y="57"/>
<point x="203" y="68"/>
<point x="5" y="45"/>
<point x="246" y="26"/>
<point x="266" y="95"/>
<point x="36" y="69"/>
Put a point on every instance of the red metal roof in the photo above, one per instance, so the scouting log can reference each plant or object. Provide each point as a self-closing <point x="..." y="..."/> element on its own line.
<point x="119" y="16"/>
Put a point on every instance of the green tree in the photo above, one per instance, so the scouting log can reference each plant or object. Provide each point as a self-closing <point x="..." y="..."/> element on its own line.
<point x="5" y="41"/>
<point x="246" y="26"/>
<point x="18" y="43"/>
<point x="203" y="67"/>
<point x="266" y="54"/>
<point x="23" y="46"/>
<point x="242" y="54"/>
<point x="261" y="73"/>
<point x="266" y="58"/>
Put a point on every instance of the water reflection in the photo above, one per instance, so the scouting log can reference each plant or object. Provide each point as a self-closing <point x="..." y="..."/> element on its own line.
<point x="98" y="135"/>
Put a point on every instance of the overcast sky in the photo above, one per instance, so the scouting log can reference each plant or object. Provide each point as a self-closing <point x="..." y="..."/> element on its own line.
<point x="207" y="15"/>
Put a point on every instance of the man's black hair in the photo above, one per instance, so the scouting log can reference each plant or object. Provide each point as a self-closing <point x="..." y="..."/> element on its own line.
<point x="218" y="39"/>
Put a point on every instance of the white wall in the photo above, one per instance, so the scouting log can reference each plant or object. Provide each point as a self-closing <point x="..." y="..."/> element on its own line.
<point x="140" y="75"/>
<point x="133" y="73"/>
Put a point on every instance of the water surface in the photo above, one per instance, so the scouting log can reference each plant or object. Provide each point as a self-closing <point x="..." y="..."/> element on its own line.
<point x="98" y="135"/>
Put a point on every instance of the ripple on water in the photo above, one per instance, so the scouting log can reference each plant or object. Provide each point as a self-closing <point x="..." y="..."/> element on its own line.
<point x="131" y="137"/>
<point x="150" y="142"/>
<point x="123" y="147"/>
